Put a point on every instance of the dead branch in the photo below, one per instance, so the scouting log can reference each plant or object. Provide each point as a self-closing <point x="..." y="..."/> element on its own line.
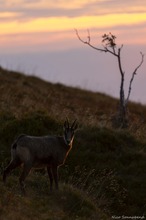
<point x="133" y="75"/>
<point x="109" y="46"/>
<point x="88" y="42"/>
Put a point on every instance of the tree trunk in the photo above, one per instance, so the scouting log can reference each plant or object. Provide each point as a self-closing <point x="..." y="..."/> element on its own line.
<point x="120" y="120"/>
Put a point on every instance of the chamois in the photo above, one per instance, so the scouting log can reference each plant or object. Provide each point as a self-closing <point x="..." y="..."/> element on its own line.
<point x="45" y="151"/>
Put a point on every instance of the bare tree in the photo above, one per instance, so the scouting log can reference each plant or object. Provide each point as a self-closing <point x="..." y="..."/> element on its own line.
<point x="109" y="46"/>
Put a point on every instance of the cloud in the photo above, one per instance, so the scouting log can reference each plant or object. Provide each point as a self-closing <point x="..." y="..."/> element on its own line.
<point x="24" y="17"/>
<point x="114" y="7"/>
<point x="66" y="23"/>
<point x="64" y="4"/>
<point x="28" y="10"/>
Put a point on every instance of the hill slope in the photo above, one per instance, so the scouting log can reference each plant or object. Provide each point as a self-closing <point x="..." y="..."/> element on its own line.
<point x="22" y="94"/>
<point x="105" y="171"/>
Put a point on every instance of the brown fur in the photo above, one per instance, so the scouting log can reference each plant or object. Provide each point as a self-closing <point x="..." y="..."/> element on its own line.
<point x="36" y="152"/>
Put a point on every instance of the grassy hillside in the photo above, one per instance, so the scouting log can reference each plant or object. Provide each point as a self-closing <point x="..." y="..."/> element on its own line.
<point x="105" y="173"/>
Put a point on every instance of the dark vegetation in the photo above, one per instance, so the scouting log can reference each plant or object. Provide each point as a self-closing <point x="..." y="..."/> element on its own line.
<point x="105" y="173"/>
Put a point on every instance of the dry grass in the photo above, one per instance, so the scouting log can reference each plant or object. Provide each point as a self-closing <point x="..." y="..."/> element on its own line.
<point x="67" y="203"/>
<point x="20" y="95"/>
<point x="104" y="171"/>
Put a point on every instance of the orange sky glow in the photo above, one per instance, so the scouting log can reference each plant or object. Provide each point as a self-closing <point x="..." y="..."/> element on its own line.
<point x="61" y="17"/>
<point x="65" y="23"/>
<point x="42" y="33"/>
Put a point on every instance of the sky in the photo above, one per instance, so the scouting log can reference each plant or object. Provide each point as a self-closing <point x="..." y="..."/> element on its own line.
<point x="38" y="37"/>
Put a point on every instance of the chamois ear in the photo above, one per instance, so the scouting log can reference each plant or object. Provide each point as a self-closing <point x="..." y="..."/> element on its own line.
<point x="66" y="124"/>
<point x="74" y="125"/>
<point x="67" y="121"/>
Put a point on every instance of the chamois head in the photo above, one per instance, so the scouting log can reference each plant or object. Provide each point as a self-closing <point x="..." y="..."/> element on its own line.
<point x="69" y="131"/>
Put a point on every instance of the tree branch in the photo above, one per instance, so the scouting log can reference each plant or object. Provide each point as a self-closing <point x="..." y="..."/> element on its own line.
<point x="122" y="94"/>
<point x="119" y="61"/>
<point x="90" y="45"/>
<point x="109" y="45"/>
<point x="142" y="59"/>
<point x="133" y="75"/>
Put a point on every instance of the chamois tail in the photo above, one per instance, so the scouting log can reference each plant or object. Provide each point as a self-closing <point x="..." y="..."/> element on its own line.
<point x="14" y="145"/>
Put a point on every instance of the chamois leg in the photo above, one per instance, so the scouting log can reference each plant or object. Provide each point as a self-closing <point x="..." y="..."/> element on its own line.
<point x="55" y="175"/>
<point x="50" y="176"/>
<point x="24" y="174"/>
<point x="12" y="165"/>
